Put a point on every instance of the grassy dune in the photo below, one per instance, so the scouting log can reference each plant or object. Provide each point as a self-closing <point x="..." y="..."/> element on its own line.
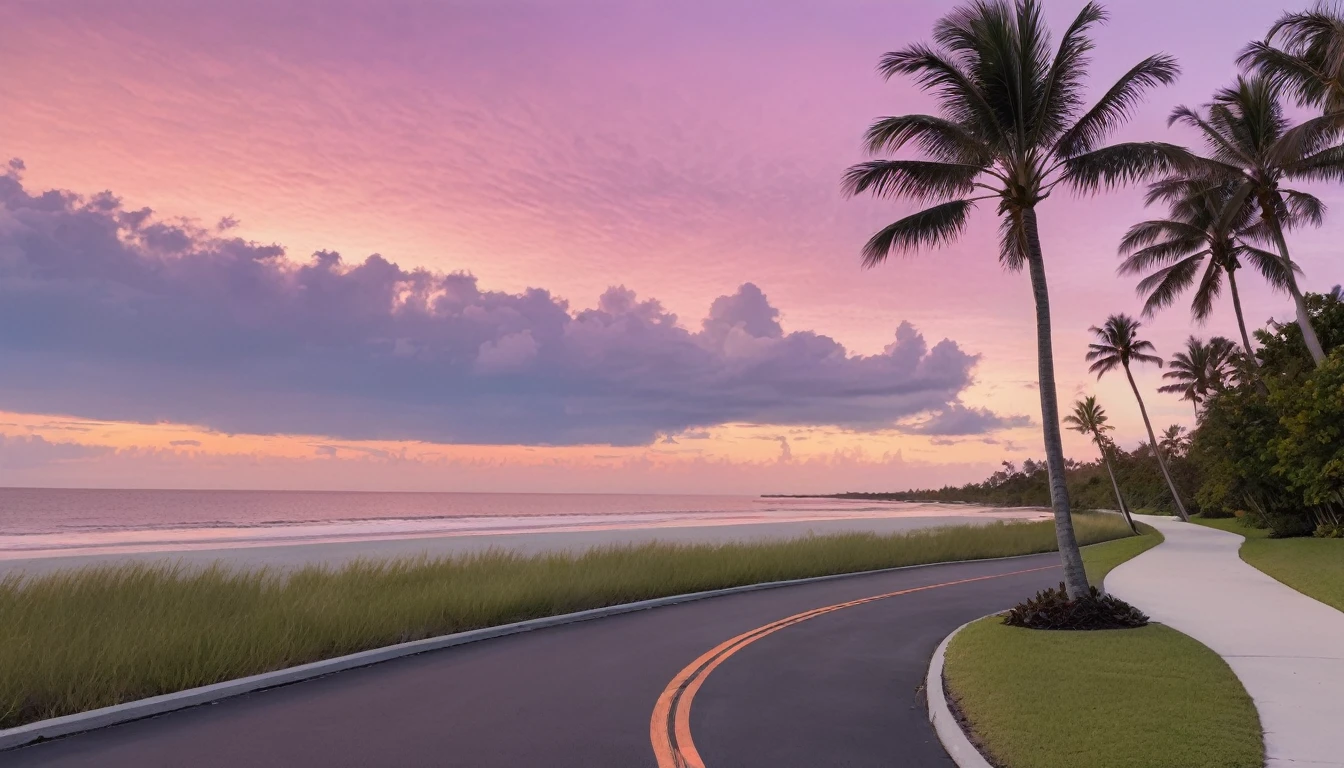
<point x="84" y="639"/>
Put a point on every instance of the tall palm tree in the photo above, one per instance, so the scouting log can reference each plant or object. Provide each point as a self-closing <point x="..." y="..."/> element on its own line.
<point x="1309" y="59"/>
<point x="1117" y="345"/>
<point x="1253" y="147"/>
<point x="1202" y="229"/>
<point x="1090" y="419"/>
<point x="1011" y="127"/>
<point x="1200" y="370"/>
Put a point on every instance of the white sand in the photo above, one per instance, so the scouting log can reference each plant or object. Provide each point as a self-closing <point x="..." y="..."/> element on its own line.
<point x="337" y="553"/>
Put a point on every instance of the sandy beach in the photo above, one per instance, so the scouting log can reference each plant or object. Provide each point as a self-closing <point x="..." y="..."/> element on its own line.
<point x="336" y="553"/>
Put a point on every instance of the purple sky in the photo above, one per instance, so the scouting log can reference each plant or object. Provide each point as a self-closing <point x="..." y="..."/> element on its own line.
<point x="684" y="152"/>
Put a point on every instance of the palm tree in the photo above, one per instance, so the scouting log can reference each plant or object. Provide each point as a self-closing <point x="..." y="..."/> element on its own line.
<point x="1090" y="419"/>
<point x="1011" y="128"/>
<point x="1117" y="345"/>
<point x="1174" y="441"/>
<point x="1200" y="370"/>
<point x="1310" y="62"/>
<point x="1201" y="229"/>
<point x="1253" y="148"/>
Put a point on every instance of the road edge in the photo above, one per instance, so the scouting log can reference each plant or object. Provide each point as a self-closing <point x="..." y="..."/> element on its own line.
<point x="68" y="725"/>
<point x="954" y="740"/>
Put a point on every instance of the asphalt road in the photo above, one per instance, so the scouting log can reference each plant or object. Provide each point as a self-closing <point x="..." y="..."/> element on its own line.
<point x="842" y="689"/>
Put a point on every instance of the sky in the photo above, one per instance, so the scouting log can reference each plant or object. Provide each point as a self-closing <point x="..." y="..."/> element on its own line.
<point x="532" y="246"/>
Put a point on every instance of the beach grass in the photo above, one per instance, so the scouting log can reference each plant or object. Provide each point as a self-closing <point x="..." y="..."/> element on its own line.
<point x="1314" y="567"/>
<point x="1129" y="698"/>
<point x="78" y="640"/>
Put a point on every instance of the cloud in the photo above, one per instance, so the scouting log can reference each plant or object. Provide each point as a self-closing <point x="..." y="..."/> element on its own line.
<point x="30" y="451"/>
<point x="185" y="443"/>
<point x="109" y="313"/>
<point x="958" y="419"/>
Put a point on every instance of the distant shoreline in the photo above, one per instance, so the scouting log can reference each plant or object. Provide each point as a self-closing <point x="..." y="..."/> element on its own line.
<point x="910" y="496"/>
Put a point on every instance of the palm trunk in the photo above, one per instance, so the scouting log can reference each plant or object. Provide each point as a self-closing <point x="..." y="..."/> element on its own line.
<point x="1303" y="317"/>
<point x="1245" y="337"/>
<point x="1152" y="441"/>
<point x="1075" y="577"/>
<point x="1124" y="510"/>
<point x="1241" y="320"/>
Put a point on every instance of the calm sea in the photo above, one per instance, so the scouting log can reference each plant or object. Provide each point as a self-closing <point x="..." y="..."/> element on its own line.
<point x="34" y="521"/>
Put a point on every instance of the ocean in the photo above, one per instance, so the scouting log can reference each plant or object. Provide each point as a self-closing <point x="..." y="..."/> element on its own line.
<point x="37" y="522"/>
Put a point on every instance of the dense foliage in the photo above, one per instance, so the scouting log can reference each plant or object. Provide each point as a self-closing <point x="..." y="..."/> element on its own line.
<point x="1276" y="454"/>
<point x="1052" y="609"/>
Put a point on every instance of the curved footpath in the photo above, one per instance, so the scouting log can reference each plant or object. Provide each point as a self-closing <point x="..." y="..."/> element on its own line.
<point x="822" y="674"/>
<point x="1287" y="649"/>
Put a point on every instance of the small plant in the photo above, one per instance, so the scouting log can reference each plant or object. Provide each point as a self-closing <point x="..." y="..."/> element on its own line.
<point x="1329" y="531"/>
<point x="1052" y="609"/>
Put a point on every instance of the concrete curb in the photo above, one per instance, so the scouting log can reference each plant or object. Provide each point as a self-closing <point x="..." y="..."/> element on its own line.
<point x="56" y="727"/>
<point x="954" y="739"/>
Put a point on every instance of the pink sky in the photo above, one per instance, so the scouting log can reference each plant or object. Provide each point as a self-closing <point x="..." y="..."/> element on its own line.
<point x="680" y="150"/>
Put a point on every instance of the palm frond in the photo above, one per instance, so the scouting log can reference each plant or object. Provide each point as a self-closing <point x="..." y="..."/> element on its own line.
<point x="1224" y="148"/>
<point x="959" y="97"/>
<point x="930" y="227"/>
<point x="1146" y="233"/>
<point x="1163" y="286"/>
<point x="1306" y="139"/>
<point x="1305" y="83"/>
<point x="1268" y="264"/>
<point x="1117" y="105"/>
<point x="1303" y="209"/>
<point x="920" y="180"/>
<point x="1013" y="247"/>
<point x="1326" y="165"/>
<point x="1123" y="164"/>
<point x="1062" y="92"/>
<point x="942" y="139"/>
<point x="1210" y="287"/>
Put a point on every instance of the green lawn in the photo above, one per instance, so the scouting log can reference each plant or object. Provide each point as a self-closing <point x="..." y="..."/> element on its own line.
<point x="1099" y="559"/>
<point x="83" y="639"/>
<point x="1314" y="567"/>
<point x="1133" y="698"/>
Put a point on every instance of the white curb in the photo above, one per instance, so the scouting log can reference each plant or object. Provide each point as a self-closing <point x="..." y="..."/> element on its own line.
<point x="157" y="705"/>
<point x="945" y="724"/>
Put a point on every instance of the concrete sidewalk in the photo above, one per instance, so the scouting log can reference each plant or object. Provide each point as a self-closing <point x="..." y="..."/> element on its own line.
<point x="1287" y="649"/>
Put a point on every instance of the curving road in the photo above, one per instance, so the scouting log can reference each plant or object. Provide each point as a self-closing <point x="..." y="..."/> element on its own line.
<point x="831" y="688"/>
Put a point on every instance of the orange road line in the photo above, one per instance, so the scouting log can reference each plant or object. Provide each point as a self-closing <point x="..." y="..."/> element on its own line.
<point x="670" y="725"/>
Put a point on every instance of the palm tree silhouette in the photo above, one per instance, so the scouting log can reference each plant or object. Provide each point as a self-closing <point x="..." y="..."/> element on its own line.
<point x="1117" y="345"/>
<point x="1309" y="64"/>
<point x="1200" y="369"/>
<point x="1090" y="419"/>
<point x="1253" y="148"/>
<point x="1011" y="128"/>
<point x="1174" y="441"/>
<point x="1202" y="229"/>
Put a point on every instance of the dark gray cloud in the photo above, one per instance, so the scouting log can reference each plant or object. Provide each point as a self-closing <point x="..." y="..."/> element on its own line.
<point x="109" y="313"/>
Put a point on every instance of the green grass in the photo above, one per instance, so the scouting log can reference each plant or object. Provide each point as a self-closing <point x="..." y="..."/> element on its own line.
<point x="1100" y="559"/>
<point x="1314" y="567"/>
<point x="79" y="640"/>
<point x="1132" y="698"/>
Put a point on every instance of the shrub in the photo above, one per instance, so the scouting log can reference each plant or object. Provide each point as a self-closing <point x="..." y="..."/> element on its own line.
<point x="1329" y="531"/>
<point x="1052" y="609"/>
